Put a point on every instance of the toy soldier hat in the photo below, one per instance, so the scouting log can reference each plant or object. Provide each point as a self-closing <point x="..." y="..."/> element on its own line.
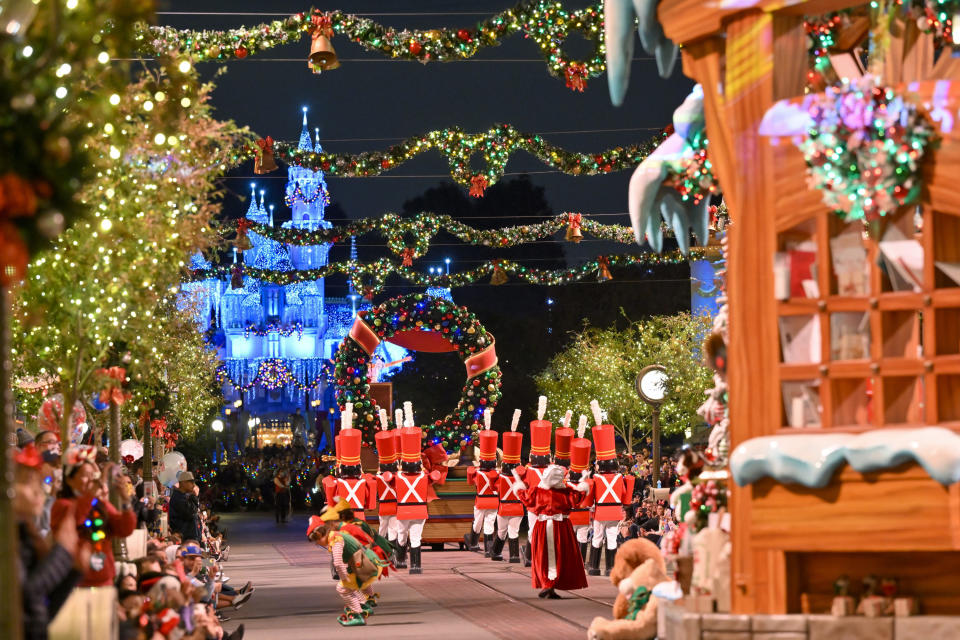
<point x="562" y="438"/>
<point x="410" y="439"/>
<point x="336" y="444"/>
<point x="603" y="439"/>
<point x="386" y="447"/>
<point x="350" y="442"/>
<point x="540" y="431"/>
<point x="580" y="454"/>
<point x="512" y="442"/>
<point x="488" y="444"/>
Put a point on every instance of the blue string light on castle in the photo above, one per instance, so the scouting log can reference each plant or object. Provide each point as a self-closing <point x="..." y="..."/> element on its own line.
<point x="277" y="342"/>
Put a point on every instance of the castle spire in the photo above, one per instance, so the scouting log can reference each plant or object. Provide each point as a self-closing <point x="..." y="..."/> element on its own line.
<point x="305" y="144"/>
<point x="316" y="146"/>
<point x="263" y="210"/>
<point x="252" y="209"/>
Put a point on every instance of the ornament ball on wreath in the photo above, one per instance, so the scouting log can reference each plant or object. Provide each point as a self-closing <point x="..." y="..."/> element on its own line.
<point x="419" y="322"/>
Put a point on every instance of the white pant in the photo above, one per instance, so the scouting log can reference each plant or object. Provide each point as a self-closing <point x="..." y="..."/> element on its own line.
<point x="388" y="527"/>
<point x="485" y="519"/>
<point x="508" y="526"/>
<point x="608" y="528"/>
<point x="410" y="530"/>
<point x="582" y="532"/>
<point x="531" y="522"/>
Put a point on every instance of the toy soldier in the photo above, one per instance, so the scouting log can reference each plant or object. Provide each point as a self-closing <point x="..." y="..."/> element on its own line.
<point x="484" y="477"/>
<point x="510" y="512"/>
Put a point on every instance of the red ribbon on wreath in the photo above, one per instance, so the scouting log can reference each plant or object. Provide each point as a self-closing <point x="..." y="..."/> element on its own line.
<point x="407" y="257"/>
<point x="264" y="162"/>
<point x="113" y="379"/>
<point x="576" y="74"/>
<point x="266" y="145"/>
<point x="574" y="220"/>
<point x="477" y="186"/>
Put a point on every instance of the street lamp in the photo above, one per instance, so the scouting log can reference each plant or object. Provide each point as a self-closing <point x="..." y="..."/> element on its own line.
<point x="652" y="388"/>
<point x="217" y="425"/>
<point x="447" y="260"/>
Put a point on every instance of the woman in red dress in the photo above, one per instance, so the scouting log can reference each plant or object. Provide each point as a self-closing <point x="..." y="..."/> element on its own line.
<point x="556" y="556"/>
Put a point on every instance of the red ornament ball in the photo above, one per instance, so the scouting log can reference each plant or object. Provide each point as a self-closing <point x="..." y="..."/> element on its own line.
<point x="463" y="34"/>
<point x="240" y="52"/>
<point x="415" y="48"/>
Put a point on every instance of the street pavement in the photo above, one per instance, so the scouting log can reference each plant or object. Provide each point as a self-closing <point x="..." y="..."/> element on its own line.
<point x="460" y="594"/>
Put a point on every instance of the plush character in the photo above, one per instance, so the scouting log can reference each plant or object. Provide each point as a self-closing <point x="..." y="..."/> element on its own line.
<point x="638" y="568"/>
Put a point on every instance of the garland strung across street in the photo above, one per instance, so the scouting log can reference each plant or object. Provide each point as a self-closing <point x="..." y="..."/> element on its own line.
<point x="496" y="145"/>
<point x="370" y="277"/>
<point x="409" y="238"/>
<point x="403" y="320"/>
<point x="547" y="23"/>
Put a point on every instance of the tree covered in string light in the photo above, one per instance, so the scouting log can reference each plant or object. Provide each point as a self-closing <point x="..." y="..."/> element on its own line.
<point x="603" y="364"/>
<point x="103" y="293"/>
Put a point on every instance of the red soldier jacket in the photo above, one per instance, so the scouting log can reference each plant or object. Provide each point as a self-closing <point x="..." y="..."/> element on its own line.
<point x="610" y="491"/>
<point x="386" y="494"/>
<point x="581" y="515"/>
<point x="359" y="493"/>
<point x="487" y="490"/>
<point x="532" y="477"/>
<point x="510" y="504"/>
<point x="412" y="495"/>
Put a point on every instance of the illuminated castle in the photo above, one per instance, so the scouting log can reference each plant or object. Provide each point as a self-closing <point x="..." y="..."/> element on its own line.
<point x="276" y="341"/>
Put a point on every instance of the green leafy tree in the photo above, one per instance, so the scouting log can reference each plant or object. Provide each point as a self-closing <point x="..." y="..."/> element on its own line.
<point x="603" y="364"/>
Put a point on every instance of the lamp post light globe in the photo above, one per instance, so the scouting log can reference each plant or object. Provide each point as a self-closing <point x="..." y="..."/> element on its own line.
<point x="217" y="425"/>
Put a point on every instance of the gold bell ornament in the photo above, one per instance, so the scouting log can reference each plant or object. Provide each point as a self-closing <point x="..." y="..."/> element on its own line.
<point x="264" y="162"/>
<point x="604" y="269"/>
<point x="573" y="227"/>
<point x="499" y="276"/>
<point x="323" y="57"/>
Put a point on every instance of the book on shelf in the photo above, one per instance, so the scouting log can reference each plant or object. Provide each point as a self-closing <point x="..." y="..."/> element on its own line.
<point x="850" y="335"/>
<point x="795" y="272"/>
<point x="848" y="257"/>
<point x="800" y="339"/>
<point x="902" y="260"/>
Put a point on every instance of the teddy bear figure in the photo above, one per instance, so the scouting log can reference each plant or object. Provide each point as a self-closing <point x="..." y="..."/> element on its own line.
<point x="638" y="568"/>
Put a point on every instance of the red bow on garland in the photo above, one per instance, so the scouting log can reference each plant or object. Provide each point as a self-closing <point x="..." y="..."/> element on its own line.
<point x="321" y="25"/>
<point x="113" y="379"/>
<point x="407" y="257"/>
<point x="574" y="220"/>
<point x="604" y="267"/>
<point x="477" y="186"/>
<point x="266" y="145"/>
<point x="576" y="76"/>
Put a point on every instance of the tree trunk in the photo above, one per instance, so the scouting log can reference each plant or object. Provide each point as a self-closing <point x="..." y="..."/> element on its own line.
<point x="10" y="607"/>
<point x="630" y="437"/>
<point x="114" y="433"/>
<point x="147" y="455"/>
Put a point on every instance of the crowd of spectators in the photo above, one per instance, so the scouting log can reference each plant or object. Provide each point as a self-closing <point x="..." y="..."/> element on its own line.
<point x="272" y="478"/>
<point x="76" y="510"/>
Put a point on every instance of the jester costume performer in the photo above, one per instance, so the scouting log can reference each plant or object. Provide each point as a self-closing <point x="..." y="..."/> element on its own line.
<point x="360" y="557"/>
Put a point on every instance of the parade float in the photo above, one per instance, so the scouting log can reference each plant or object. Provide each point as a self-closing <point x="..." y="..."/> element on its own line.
<point x="844" y="307"/>
<point x="418" y="322"/>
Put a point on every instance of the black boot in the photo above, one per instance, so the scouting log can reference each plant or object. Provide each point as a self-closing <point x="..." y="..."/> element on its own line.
<point x="608" y="560"/>
<point x="527" y="558"/>
<point x="333" y="571"/>
<point x="400" y="556"/>
<point x="496" y="550"/>
<point x="583" y="552"/>
<point x="415" y="560"/>
<point x="471" y="539"/>
<point x="514" y="550"/>
<point x="595" y="561"/>
<point x="487" y="545"/>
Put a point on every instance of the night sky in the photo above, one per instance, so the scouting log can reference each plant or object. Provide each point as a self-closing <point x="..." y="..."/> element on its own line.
<point x="371" y="102"/>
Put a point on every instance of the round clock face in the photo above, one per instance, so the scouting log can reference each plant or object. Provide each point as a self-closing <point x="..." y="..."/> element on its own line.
<point x="653" y="384"/>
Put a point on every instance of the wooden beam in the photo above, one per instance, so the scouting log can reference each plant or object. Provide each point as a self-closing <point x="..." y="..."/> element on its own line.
<point x="753" y="381"/>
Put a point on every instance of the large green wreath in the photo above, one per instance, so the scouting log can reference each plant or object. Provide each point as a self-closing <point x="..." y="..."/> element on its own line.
<point x="404" y="321"/>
